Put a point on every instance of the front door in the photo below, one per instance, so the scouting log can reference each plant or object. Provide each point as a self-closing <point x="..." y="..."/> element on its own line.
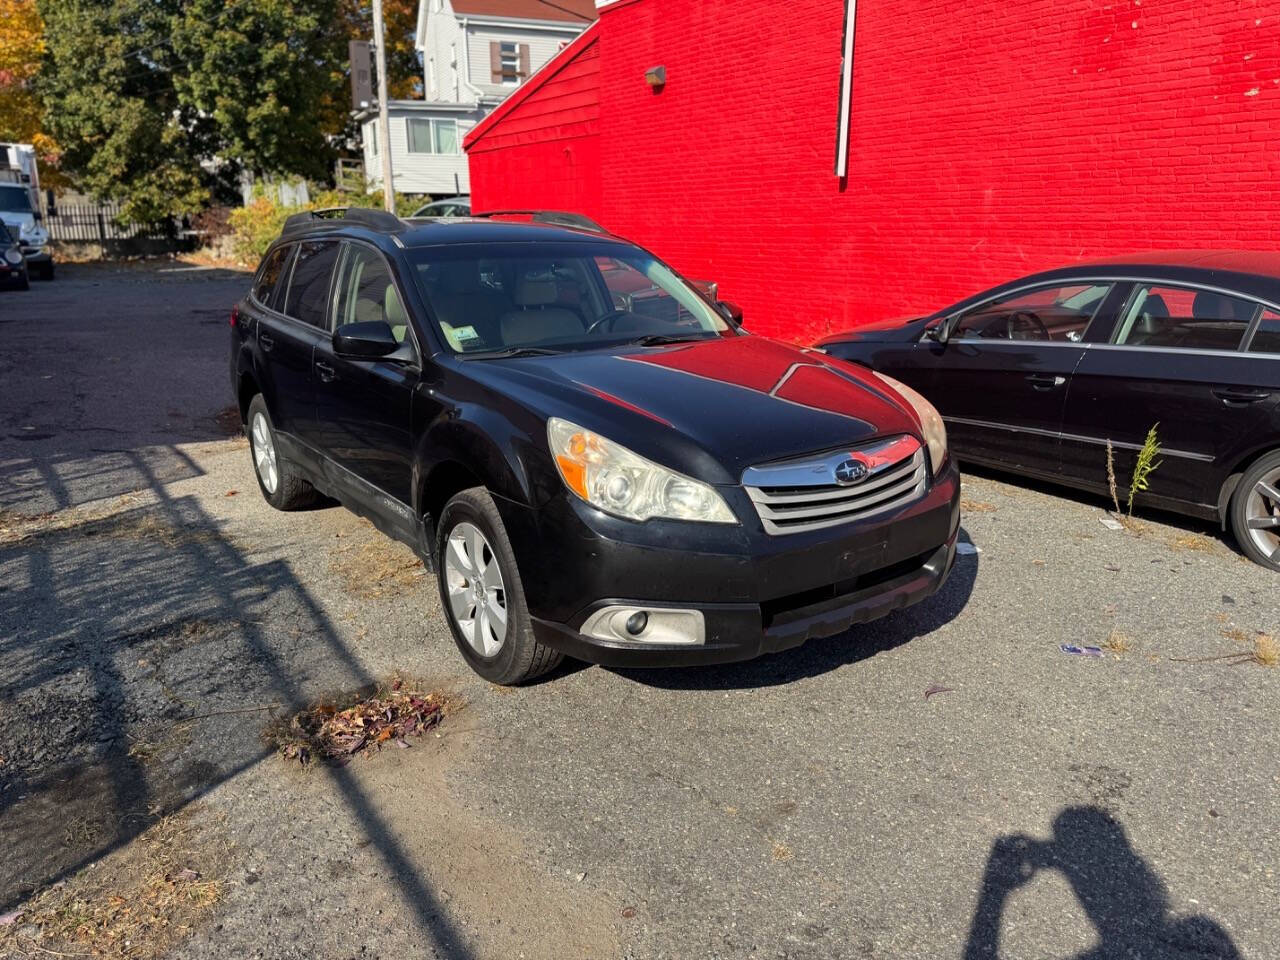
<point x="1176" y="361"/>
<point x="1000" y="380"/>
<point x="363" y="407"/>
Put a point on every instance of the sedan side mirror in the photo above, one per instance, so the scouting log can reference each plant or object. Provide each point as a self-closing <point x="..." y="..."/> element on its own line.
<point x="939" y="333"/>
<point x="369" y="340"/>
<point x="731" y="311"/>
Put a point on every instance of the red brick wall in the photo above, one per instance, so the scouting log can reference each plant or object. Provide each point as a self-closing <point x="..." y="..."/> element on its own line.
<point x="989" y="139"/>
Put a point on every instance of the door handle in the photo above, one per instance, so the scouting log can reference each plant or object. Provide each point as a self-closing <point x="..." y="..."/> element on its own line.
<point x="266" y="341"/>
<point x="1235" y="398"/>
<point x="327" y="373"/>
<point x="1043" y="381"/>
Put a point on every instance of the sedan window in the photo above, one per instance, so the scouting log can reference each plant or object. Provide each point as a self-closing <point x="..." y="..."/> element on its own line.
<point x="1055" y="313"/>
<point x="1267" y="337"/>
<point x="366" y="294"/>
<point x="1184" y="318"/>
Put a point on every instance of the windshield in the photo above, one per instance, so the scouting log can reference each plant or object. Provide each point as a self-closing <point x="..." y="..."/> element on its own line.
<point x="15" y="200"/>
<point x="556" y="297"/>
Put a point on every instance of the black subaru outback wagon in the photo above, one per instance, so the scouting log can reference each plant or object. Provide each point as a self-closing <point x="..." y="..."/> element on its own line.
<point x="592" y="455"/>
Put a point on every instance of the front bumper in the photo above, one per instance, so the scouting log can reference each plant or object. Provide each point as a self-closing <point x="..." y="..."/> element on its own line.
<point x="757" y="593"/>
<point x="36" y="254"/>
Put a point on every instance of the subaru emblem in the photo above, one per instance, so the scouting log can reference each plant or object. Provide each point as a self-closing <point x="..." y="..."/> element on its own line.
<point x="850" y="472"/>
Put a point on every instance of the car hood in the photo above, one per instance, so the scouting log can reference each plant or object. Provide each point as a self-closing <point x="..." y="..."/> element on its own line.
<point x="709" y="408"/>
<point x="16" y="219"/>
<point x="901" y="329"/>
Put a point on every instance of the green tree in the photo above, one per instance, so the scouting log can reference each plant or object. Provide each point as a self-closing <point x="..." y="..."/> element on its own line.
<point x="158" y="102"/>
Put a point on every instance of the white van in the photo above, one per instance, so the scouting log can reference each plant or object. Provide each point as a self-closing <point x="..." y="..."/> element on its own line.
<point x="20" y="205"/>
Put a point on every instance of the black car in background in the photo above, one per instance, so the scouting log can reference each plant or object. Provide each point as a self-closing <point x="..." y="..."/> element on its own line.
<point x="13" y="265"/>
<point x="644" y="485"/>
<point x="1037" y="375"/>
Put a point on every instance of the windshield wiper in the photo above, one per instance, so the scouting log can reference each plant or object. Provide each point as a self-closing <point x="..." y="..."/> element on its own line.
<point x="658" y="339"/>
<point x="509" y="352"/>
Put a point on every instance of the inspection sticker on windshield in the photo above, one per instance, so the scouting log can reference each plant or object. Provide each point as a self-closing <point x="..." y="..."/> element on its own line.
<point x="465" y="333"/>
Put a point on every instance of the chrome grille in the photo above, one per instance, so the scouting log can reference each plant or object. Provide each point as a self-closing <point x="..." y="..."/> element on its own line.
<point x="799" y="495"/>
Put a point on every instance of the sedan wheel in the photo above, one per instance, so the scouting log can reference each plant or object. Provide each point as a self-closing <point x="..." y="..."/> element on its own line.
<point x="477" y="595"/>
<point x="1262" y="514"/>
<point x="264" y="453"/>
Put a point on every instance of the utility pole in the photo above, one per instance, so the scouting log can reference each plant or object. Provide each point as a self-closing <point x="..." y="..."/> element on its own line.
<point x="384" y="125"/>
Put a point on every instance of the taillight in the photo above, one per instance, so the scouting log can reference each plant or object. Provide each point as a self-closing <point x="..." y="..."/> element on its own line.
<point x="235" y="315"/>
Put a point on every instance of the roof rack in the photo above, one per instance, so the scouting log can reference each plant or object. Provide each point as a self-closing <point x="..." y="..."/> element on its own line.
<point x="365" y="216"/>
<point x="560" y="217"/>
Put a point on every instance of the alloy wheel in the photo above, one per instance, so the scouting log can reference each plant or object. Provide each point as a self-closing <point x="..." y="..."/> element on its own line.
<point x="264" y="453"/>
<point x="477" y="596"/>
<point x="1262" y="513"/>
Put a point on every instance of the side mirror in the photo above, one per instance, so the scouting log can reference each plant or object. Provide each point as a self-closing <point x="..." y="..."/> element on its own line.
<point x="939" y="333"/>
<point x="731" y="311"/>
<point x="367" y="341"/>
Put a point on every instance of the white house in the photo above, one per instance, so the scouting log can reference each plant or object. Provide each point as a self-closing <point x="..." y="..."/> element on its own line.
<point x="474" y="53"/>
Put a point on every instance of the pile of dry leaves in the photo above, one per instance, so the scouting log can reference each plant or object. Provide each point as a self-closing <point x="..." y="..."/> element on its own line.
<point x="336" y="735"/>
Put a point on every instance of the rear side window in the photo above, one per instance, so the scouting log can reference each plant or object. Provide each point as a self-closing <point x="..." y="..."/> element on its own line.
<point x="1267" y="337"/>
<point x="264" y="285"/>
<point x="308" y="298"/>
<point x="1184" y="318"/>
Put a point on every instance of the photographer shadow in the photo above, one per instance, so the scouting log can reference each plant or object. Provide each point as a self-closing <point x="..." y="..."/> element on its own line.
<point x="1124" y="899"/>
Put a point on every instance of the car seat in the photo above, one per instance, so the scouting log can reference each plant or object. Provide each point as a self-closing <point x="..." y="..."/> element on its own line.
<point x="536" y="319"/>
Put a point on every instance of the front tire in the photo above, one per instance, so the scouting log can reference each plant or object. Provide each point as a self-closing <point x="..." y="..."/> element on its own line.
<point x="281" y="484"/>
<point x="482" y="594"/>
<point x="1255" y="511"/>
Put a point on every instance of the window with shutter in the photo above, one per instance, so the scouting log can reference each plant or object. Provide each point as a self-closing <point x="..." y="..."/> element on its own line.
<point x="510" y="57"/>
<point x="495" y="62"/>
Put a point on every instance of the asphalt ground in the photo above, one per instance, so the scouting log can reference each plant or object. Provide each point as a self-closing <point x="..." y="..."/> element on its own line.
<point x="155" y="615"/>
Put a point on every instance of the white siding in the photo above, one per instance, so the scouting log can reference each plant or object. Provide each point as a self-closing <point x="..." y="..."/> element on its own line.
<point x="420" y="172"/>
<point x="543" y="45"/>
<point x="443" y="32"/>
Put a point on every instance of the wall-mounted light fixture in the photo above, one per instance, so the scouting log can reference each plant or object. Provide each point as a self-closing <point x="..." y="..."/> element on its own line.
<point x="656" y="77"/>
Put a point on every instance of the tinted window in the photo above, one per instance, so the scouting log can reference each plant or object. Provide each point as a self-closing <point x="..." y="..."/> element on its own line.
<point x="1267" y="338"/>
<point x="366" y="294"/>
<point x="1184" y="318"/>
<point x="264" y="286"/>
<point x="1059" y="313"/>
<point x="309" y="285"/>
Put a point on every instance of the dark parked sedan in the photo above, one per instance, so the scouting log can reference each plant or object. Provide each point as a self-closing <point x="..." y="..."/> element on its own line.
<point x="1037" y="375"/>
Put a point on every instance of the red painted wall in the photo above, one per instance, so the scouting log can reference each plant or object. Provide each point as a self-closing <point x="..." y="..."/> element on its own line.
<point x="989" y="139"/>
<point x="546" y="144"/>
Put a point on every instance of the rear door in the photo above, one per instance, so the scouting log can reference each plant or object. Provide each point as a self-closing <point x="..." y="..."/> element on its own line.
<point x="1177" y="357"/>
<point x="364" y="407"/>
<point x="289" y="337"/>
<point x="1000" y="381"/>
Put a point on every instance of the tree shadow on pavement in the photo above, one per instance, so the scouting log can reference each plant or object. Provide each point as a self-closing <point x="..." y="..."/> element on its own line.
<point x="1124" y="899"/>
<point x="825" y="654"/>
<point x="117" y="629"/>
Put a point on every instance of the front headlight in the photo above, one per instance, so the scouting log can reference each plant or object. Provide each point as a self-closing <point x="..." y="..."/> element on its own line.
<point x="935" y="432"/>
<point x="13" y="256"/>
<point x="609" y="476"/>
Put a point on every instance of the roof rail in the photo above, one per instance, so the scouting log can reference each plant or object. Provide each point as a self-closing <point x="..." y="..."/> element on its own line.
<point x="560" y="217"/>
<point x="365" y="216"/>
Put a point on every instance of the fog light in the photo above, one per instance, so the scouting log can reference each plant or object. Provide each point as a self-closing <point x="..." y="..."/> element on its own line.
<point x="657" y="625"/>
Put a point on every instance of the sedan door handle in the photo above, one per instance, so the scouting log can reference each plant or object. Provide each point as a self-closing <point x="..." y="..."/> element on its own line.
<point x="267" y="342"/>
<point x="1042" y="381"/>
<point x="327" y="373"/>
<point x="1238" y="397"/>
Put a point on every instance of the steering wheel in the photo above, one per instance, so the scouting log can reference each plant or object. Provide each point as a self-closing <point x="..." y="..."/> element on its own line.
<point x="1032" y="320"/>
<point x="610" y="318"/>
